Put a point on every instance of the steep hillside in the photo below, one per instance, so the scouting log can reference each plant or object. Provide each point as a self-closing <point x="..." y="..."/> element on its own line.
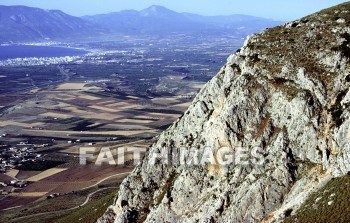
<point x="329" y="204"/>
<point x="286" y="92"/>
<point x="21" y="23"/>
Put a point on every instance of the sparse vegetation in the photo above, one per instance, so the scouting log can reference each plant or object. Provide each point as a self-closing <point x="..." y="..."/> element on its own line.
<point x="329" y="205"/>
<point x="59" y="209"/>
<point x="301" y="45"/>
<point x="89" y="213"/>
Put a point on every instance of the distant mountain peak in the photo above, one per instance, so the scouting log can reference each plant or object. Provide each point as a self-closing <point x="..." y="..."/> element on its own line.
<point x="157" y="10"/>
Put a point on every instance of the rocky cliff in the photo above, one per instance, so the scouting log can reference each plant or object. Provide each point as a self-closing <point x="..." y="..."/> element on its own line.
<point x="286" y="92"/>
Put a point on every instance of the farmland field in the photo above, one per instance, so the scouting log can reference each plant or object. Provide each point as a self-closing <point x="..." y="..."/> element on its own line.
<point x="122" y="99"/>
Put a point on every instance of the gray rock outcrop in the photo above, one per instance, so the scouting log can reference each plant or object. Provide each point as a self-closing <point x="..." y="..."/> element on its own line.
<point x="284" y="98"/>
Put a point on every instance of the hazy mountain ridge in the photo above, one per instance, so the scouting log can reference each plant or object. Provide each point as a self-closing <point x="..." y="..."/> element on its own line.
<point x="157" y="19"/>
<point x="21" y="23"/>
<point x="27" y="24"/>
<point x="152" y="20"/>
<point x="286" y="91"/>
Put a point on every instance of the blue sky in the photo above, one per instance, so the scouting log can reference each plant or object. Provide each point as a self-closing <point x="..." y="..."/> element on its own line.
<point x="274" y="9"/>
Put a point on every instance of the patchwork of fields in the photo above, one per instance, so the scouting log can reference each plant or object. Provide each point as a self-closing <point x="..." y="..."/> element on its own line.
<point x="123" y="98"/>
<point x="73" y="115"/>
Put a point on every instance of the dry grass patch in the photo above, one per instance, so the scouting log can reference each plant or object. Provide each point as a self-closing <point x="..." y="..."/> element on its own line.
<point x="12" y="173"/>
<point x="329" y="204"/>
<point x="135" y="121"/>
<point x="165" y="101"/>
<point x="29" y="194"/>
<point x="89" y="97"/>
<point x="133" y="97"/>
<point x="55" y="115"/>
<point x="106" y="102"/>
<point x="77" y="110"/>
<point x="198" y="86"/>
<point x="122" y="106"/>
<point x="65" y="97"/>
<point x="126" y="127"/>
<point x="25" y="174"/>
<point x="102" y="108"/>
<point x="46" y="173"/>
<point x="71" y="86"/>
<point x="163" y="115"/>
<point x="147" y="117"/>
<point x="186" y="104"/>
<point x="102" y="116"/>
<point x="56" y="106"/>
<point x="94" y="124"/>
<point x="24" y="125"/>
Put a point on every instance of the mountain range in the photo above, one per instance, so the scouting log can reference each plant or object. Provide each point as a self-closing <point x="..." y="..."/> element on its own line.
<point x="158" y="19"/>
<point x="21" y="23"/>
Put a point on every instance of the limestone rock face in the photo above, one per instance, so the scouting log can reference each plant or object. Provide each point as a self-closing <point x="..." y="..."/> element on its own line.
<point x="285" y="92"/>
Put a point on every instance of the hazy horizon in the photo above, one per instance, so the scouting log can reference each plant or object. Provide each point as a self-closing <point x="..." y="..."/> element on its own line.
<point x="272" y="9"/>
